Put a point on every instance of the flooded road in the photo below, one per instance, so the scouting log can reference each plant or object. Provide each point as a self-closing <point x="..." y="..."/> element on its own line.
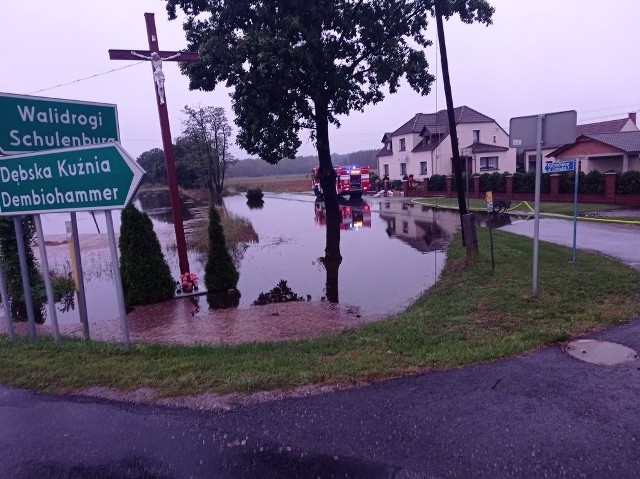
<point x="392" y="251"/>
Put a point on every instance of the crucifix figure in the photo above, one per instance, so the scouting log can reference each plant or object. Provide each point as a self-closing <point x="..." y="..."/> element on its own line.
<point x="158" y="74"/>
<point x="157" y="57"/>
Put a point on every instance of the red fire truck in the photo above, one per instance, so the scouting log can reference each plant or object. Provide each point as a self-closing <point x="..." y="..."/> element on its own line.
<point x="351" y="180"/>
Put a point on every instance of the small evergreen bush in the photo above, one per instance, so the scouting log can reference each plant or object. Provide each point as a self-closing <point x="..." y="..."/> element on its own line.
<point x="220" y="273"/>
<point x="255" y="195"/>
<point x="629" y="183"/>
<point x="438" y="183"/>
<point x="146" y="277"/>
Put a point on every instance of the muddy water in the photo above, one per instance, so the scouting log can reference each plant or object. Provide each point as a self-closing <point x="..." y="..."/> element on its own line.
<point x="392" y="251"/>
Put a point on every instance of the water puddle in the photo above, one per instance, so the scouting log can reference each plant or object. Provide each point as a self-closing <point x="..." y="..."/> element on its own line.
<point x="392" y="250"/>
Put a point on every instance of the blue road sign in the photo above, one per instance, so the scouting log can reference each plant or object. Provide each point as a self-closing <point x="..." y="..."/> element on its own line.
<point x="560" y="166"/>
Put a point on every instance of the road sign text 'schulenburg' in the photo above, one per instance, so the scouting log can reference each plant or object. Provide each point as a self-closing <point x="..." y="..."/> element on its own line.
<point x="30" y="123"/>
<point x="76" y="179"/>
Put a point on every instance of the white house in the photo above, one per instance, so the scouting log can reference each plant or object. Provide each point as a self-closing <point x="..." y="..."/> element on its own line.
<point x="422" y="146"/>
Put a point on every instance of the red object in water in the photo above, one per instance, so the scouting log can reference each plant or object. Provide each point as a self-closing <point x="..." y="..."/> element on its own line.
<point x="351" y="180"/>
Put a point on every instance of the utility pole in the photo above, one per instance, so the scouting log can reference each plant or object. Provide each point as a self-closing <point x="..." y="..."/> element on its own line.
<point x="469" y="239"/>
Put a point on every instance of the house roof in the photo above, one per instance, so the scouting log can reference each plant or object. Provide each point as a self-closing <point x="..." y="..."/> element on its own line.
<point x="589" y="129"/>
<point x="611" y="126"/>
<point x="625" y="141"/>
<point x="439" y="122"/>
<point x="384" y="152"/>
<point x="485" y="148"/>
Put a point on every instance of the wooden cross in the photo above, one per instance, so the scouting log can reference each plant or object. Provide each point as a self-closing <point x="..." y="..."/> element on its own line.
<point x="157" y="57"/>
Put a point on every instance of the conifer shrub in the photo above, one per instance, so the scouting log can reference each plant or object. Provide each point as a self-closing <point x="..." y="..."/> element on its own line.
<point x="438" y="183"/>
<point x="255" y="194"/>
<point x="220" y="274"/>
<point x="146" y="277"/>
<point x="628" y="183"/>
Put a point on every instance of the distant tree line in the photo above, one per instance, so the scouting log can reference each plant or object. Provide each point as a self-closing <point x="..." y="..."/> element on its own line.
<point x="192" y="172"/>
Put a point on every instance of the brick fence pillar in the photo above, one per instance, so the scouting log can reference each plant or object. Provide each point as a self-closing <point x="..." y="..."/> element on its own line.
<point x="555" y="186"/>
<point x="449" y="186"/>
<point x="509" y="193"/>
<point x="610" y="183"/>
<point x="476" y="186"/>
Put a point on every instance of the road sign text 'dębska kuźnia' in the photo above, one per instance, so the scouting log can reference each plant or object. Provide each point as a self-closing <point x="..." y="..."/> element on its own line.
<point x="74" y="179"/>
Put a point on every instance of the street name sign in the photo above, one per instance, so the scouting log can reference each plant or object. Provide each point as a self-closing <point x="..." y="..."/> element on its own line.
<point x="560" y="166"/>
<point x="100" y="177"/>
<point x="32" y="123"/>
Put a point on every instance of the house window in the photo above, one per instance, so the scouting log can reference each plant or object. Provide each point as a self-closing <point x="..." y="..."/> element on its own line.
<point x="385" y="169"/>
<point x="476" y="136"/>
<point x="423" y="167"/>
<point x="488" y="163"/>
<point x="403" y="145"/>
<point x="388" y="146"/>
<point x="494" y="138"/>
<point x="403" y="169"/>
<point x="405" y="227"/>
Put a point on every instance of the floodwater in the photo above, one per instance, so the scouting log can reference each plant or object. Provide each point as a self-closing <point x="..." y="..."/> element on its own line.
<point x="392" y="250"/>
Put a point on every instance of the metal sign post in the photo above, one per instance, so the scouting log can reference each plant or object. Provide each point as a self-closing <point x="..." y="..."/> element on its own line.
<point x="528" y="131"/>
<point x="559" y="167"/>
<point x="575" y="212"/>
<point x="5" y="305"/>
<point x="47" y="279"/>
<point x="118" y="280"/>
<point x="24" y="273"/>
<point x="488" y="198"/>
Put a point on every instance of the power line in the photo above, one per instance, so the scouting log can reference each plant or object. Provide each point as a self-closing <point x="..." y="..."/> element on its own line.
<point x="86" y="78"/>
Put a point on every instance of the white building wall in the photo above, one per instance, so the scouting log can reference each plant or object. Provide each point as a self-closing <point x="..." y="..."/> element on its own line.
<point x="439" y="160"/>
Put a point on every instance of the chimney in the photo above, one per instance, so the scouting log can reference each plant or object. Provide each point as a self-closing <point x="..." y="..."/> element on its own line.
<point x="632" y="117"/>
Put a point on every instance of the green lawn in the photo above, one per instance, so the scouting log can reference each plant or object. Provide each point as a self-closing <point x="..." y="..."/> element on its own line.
<point x="522" y="206"/>
<point x="472" y="314"/>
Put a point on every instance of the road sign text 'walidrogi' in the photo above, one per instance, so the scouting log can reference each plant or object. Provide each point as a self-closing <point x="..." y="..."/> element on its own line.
<point x="35" y="124"/>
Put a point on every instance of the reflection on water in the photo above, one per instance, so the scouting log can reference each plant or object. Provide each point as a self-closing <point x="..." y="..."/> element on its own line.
<point x="354" y="214"/>
<point x="391" y="252"/>
<point x="157" y="204"/>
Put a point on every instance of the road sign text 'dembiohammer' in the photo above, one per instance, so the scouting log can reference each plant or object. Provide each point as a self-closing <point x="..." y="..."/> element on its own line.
<point x="86" y="178"/>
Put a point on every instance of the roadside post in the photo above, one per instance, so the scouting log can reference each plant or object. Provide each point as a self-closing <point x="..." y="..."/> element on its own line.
<point x="5" y="306"/>
<point x="47" y="279"/>
<point x="90" y="178"/>
<point x="488" y="199"/>
<point x="553" y="129"/>
<point x="32" y="124"/>
<point x="559" y="167"/>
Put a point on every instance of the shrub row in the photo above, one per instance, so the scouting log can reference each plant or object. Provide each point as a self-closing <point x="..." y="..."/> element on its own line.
<point x="592" y="183"/>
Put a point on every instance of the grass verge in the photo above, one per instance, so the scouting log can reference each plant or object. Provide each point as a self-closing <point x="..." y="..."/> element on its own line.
<point x="545" y="207"/>
<point x="473" y="314"/>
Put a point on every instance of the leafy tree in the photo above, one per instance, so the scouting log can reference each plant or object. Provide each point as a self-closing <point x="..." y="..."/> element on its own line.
<point x="220" y="274"/>
<point x="146" y="277"/>
<point x="299" y="64"/>
<point x="154" y="164"/>
<point x="208" y="134"/>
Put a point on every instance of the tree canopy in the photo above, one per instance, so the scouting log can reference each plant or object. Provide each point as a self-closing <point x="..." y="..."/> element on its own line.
<point x="297" y="64"/>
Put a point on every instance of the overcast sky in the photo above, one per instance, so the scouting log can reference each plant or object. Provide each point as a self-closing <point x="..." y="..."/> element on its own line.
<point x="538" y="57"/>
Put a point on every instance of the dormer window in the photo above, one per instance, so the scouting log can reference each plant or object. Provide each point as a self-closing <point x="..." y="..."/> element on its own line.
<point x="387" y="146"/>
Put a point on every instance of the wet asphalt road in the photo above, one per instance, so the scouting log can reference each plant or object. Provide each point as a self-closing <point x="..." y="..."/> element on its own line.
<point x="618" y="241"/>
<point x="544" y="414"/>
